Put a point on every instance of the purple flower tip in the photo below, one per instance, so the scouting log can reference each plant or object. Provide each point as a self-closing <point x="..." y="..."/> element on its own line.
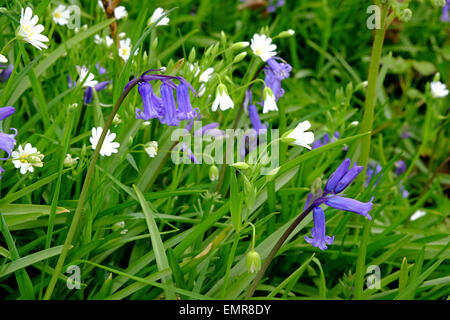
<point x="5" y="112"/>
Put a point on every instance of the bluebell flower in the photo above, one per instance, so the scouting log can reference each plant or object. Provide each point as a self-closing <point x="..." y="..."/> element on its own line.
<point x="7" y="141"/>
<point x="336" y="176"/>
<point x="5" y="112"/>
<point x="152" y="104"/>
<point x="445" y="17"/>
<point x="318" y="237"/>
<point x="170" y="109"/>
<point x="352" y="205"/>
<point x="5" y="73"/>
<point x="338" y="181"/>
<point x="274" y="73"/>
<point x="185" y="111"/>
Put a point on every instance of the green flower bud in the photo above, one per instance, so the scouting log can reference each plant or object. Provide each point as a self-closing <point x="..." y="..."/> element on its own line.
<point x="286" y="34"/>
<point x="240" y="45"/>
<point x="240" y="165"/>
<point x="192" y="55"/>
<point x="253" y="261"/>
<point x="213" y="173"/>
<point x="240" y="57"/>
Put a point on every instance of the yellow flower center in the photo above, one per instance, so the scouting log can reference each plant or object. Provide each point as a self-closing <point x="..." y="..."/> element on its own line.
<point x="57" y="14"/>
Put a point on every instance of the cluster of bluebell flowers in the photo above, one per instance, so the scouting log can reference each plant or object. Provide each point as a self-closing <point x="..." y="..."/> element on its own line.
<point x="337" y="182"/>
<point x="7" y="141"/>
<point x="164" y="108"/>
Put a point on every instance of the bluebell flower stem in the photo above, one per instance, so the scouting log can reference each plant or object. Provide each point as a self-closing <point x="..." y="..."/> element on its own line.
<point x="84" y="194"/>
<point x="369" y="105"/>
<point x="275" y="249"/>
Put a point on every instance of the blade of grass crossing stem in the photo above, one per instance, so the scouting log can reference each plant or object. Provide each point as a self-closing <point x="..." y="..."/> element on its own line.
<point x="23" y="280"/>
<point x="157" y="244"/>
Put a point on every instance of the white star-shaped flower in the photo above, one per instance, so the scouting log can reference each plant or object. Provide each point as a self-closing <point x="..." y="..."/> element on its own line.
<point x="156" y="15"/>
<point x="438" y="89"/>
<point x="263" y="47"/>
<point x="85" y="74"/>
<point x="151" y="148"/>
<point x="61" y="15"/>
<point x="109" y="146"/>
<point x="125" y="49"/>
<point x="120" y="12"/>
<point x="30" y="31"/>
<point x="27" y="158"/>
<point x="300" y="136"/>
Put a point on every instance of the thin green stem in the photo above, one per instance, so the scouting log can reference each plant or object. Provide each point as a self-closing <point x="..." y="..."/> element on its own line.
<point x="369" y="105"/>
<point x="84" y="193"/>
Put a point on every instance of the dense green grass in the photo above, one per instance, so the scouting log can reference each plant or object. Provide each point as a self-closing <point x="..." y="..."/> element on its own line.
<point x="184" y="237"/>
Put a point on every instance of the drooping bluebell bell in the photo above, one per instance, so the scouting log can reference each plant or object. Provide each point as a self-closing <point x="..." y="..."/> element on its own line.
<point x="338" y="181"/>
<point x="5" y="72"/>
<point x="165" y="108"/>
<point x="185" y="110"/>
<point x="170" y="109"/>
<point x="318" y="237"/>
<point x="152" y="105"/>
<point x="7" y="141"/>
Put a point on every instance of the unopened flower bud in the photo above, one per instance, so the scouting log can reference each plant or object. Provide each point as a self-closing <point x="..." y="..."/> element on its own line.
<point x="240" y="45"/>
<point x="213" y="173"/>
<point x="286" y="34"/>
<point x="253" y="261"/>
<point x="240" y="57"/>
<point x="240" y="165"/>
